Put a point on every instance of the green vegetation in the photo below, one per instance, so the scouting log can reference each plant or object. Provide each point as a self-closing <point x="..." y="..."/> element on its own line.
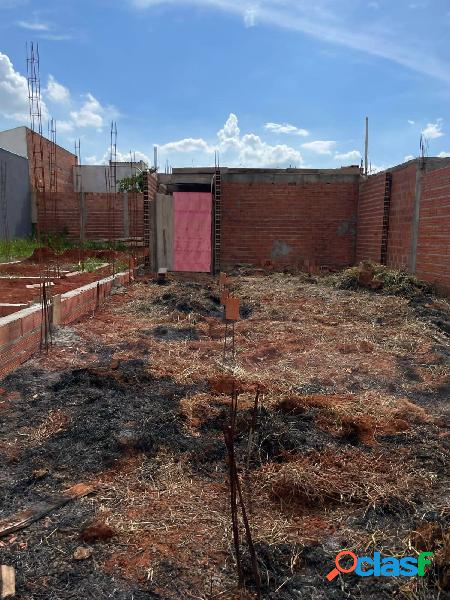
<point x="17" y="248"/>
<point x="92" y="263"/>
<point x="20" y="248"/>
<point x="120" y="266"/>
<point x="134" y="183"/>
<point x="59" y="242"/>
<point x="98" y="245"/>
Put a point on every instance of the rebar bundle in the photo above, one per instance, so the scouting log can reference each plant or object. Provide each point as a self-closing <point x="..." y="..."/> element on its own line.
<point x="79" y="191"/>
<point x="133" y="213"/>
<point x="111" y="188"/>
<point x="38" y="176"/>
<point x="237" y="498"/>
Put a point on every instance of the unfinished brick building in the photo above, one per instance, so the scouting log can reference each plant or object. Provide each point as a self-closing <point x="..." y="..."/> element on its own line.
<point x="308" y="218"/>
<point x="206" y="219"/>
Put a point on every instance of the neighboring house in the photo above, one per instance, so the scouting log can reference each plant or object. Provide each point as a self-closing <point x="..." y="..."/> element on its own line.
<point x="25" y="144"/>
<point x="17" y="203"/>
<point x="94" y="177"/>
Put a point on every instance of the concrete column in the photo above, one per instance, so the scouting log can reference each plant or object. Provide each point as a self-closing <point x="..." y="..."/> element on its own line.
<point x="416" y="218"/>
<point x="164" y="231"/>
<point x="82" y="208"/>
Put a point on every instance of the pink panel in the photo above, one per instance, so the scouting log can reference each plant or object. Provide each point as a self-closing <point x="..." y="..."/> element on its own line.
<point x="192" y="231"/>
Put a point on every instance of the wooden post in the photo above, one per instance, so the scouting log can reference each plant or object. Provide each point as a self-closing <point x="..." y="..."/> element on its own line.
<point x="56" y="309"/>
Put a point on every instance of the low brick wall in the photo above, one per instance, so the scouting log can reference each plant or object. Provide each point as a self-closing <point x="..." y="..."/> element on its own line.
<point x="20" y="332"/>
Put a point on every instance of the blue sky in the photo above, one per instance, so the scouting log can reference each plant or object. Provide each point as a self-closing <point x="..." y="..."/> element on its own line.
<point x="268" y="83"/>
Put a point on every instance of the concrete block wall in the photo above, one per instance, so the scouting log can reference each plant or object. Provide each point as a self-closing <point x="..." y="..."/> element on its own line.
<point x="17" y="195"/>
<point x="307" y="218"/>
<point x="20" y="332"/>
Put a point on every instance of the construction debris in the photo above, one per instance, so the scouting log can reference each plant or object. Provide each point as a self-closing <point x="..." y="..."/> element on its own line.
<point x="28" y="516"/>
<point x="82" y="553"/>
<point x="8" y="581"/>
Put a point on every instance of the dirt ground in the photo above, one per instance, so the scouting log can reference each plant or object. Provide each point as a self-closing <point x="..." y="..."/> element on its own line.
<point x="350" y="451"/>
<point x="20" y="280"/>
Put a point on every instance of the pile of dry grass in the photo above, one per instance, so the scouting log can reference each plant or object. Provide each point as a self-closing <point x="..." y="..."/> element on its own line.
<point x="343" y="476"/>
<point x="359" y="418"/>
<point x="379" y="277"/>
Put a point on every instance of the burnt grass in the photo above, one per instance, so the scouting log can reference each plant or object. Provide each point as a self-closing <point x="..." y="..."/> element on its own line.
<point x="114" y="409"/>
<point x="111" y="413"/>
<point x="118" y="409"/>
<point x="197" y="299"/>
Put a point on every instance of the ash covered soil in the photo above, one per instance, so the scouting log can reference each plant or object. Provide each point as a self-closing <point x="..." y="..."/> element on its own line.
<point x="351" y="448"/>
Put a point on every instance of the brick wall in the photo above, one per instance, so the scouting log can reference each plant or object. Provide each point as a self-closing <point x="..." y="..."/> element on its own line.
<point x="65" y="161"/>
<point x="370" y="218"/>
<point x="433" y="246"/>
<point x="104" y="217"/>
<point x="401" y="216"/>
<point x="433" y="239"/>
<point x="20" y="332"/>
<point x="312" y="219"/>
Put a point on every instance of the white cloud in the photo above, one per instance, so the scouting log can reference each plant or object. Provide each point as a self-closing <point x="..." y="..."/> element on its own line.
<point x="354" y="155"/>
<point x="72" y="113"/>
<point x="411" y="122"/>
<point x="376" y="169"/>
<point x="286" y="128"/>
<point x="64" y="126"/>
<point x="334" y="23"/>
<point x="250" y="150"/>
<point x="409" y="157"/>
<point x="33" y="25"/>
<point x="121" y="157"/>
<point x="56" y="37"/>
<point x="254" y="152"/>
<point x="230" y="133"/>
<point x="444" y="154"/>
<point x="92" y="113"/>
<point x="235" y="149"/>
<point x="250" y="17"/>
<point x="56" y="91"/>
<point x="434" y="130"/>
<point x="14" y="93"/>
<point x="320" y="146"/>
<point x="187" y="145"/>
